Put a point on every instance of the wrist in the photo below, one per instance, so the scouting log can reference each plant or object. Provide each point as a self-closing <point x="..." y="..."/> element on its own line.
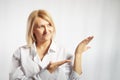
<point x="78" y="54"/>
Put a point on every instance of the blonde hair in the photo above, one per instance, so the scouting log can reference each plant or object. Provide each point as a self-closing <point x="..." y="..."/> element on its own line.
<point x="30" y="38"/>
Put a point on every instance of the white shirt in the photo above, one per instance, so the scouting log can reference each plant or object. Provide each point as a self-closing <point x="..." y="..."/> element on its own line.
<point x="26" y="65"/>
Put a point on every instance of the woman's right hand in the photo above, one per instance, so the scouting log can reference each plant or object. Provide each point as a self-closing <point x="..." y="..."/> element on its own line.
<point x="54" y="65"/>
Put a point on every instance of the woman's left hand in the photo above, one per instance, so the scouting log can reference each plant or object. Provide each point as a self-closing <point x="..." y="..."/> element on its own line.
<point x="82" y="46"/>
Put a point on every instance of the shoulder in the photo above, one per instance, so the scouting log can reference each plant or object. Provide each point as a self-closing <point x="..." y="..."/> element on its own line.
<point x="24" y="47"/>
<point x="17" y="52"/>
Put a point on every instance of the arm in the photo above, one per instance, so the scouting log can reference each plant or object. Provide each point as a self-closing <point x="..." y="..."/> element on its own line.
<point x="16" y="69"/>
<point x="82" y="47"/>
<point x="76" y="71"/>
<point x="71" y="74"/>
<point x="77" y="64"/>
<point x="17" y="72"/>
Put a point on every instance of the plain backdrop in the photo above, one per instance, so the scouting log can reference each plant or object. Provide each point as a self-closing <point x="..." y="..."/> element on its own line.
<point x="74" y="20"/>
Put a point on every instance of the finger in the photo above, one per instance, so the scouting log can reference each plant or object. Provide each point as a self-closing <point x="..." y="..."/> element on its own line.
<point x="87" y="40"/>
<point x="62" y="62"/>
<point x="88" y="47"/>
<point x="90" y="37"/>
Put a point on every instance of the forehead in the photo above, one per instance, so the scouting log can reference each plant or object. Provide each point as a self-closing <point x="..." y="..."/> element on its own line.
<point x="39" y="21"/>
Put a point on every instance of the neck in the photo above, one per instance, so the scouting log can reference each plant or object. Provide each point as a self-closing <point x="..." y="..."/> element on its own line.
<point x="42" y="48"/>
<point x="44" y="44"/>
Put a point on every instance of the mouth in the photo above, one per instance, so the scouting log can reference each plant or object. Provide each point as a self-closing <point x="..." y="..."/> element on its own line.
<point x="46" y="35"/>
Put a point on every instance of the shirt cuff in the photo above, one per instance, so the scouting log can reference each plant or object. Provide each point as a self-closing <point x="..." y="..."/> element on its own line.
<point x="75" y="76"/>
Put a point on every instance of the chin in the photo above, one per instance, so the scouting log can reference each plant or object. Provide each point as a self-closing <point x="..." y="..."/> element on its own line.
<point x="47" y="39"/>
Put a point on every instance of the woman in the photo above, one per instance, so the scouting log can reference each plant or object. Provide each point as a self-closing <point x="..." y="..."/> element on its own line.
<point x="42" y="58"/>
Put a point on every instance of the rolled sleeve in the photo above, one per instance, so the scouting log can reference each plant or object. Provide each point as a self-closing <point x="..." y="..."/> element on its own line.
<point x="75" y="76"/>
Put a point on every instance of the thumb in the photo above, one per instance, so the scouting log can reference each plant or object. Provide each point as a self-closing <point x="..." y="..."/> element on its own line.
<point x="88" y="47"/>
<point x="50" y="63"/>
<point x="62" y="62"/>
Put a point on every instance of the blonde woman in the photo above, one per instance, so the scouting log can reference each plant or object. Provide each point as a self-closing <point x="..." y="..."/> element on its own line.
<point x="42" y="58"/>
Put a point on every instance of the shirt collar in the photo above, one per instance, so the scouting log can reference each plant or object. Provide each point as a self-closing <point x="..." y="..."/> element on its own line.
<point x="52" y="48"/>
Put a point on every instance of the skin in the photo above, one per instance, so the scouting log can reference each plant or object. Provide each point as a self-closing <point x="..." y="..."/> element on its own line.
<point x="81" y="48"/>
<point x="43" y="33"/>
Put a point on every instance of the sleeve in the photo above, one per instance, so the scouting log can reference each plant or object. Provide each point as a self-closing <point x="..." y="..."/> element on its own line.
<point x="17" y="73"/>
<point x="72" y="75"/>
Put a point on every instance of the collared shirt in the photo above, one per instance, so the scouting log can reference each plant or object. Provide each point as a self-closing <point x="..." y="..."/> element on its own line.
<point x="26" y="64"/>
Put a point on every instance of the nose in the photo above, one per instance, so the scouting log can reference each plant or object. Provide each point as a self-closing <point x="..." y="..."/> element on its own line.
<point x="45" y="29"/>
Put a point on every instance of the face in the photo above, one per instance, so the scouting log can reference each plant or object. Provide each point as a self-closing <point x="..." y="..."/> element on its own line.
<point x="42" y="30"/>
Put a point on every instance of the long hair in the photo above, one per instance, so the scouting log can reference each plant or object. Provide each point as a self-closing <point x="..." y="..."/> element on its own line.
<point x="30" y="38"/>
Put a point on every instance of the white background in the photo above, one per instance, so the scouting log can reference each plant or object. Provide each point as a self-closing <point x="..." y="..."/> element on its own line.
<point x="74" y="20"/>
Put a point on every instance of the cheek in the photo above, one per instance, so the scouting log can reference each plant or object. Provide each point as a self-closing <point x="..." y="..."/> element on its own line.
<point x="37" y="32"/>
<point x="52" y="30"/>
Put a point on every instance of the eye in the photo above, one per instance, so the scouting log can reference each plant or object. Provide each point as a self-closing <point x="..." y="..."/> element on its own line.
<point x="41" y="26"/>
<point x="49" y="25"/>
